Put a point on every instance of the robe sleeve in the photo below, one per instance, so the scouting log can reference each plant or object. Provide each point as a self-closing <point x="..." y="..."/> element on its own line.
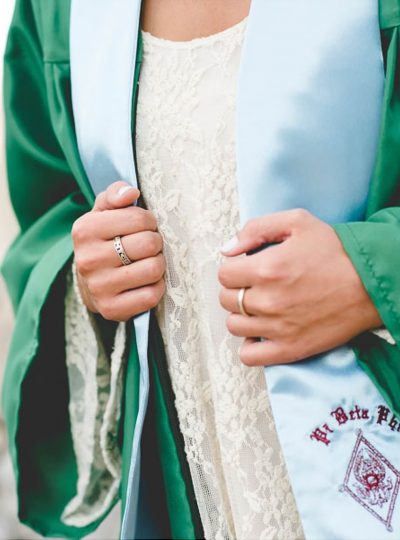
<point x="46" y="200"/>
<point x="374" y="244"/>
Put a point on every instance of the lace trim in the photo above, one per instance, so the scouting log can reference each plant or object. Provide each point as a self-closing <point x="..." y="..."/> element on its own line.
<point x="95" y="385"/>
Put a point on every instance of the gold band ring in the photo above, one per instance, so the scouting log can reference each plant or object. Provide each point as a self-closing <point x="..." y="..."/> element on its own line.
<point x="119" y="248"/>
<point x="240" y="302"/>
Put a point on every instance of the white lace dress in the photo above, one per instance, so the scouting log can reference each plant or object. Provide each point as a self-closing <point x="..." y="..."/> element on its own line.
<point x="186" y="160"/>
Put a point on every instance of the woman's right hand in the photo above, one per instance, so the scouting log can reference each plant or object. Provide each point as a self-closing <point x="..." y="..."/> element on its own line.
<point x="107" y="287"/>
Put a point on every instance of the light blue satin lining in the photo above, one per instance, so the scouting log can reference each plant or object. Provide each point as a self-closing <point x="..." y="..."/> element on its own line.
<point x="103" y="42"/>
<point x="310" y="96"/>
<point x="310" y="93"/>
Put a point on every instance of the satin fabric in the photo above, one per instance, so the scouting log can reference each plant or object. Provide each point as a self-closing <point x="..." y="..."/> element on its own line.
<point x="308" y="131"/>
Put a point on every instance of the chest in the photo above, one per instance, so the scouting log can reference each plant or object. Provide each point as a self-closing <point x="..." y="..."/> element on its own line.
<point x="183" y="20"/>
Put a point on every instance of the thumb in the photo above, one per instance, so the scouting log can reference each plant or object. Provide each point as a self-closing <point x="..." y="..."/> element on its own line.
<point x="270" y="229"/>
<point x="117" y="195"/>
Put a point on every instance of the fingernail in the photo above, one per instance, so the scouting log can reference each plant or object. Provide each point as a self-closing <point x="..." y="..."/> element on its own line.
<point x="123" y="190"/>
<point x="230" y="244"/>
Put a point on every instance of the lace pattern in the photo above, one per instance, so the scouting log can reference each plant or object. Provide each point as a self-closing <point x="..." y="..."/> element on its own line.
<point x="95" y="406"/>
<point x="186" y="159"/>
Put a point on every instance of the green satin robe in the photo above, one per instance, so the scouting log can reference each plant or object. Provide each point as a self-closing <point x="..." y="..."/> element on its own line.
<point x="49" y="191"/>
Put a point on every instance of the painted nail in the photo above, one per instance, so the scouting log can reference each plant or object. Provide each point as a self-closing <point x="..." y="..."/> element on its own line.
<point x="230" y="244"/>
<point x="123" y="190"/>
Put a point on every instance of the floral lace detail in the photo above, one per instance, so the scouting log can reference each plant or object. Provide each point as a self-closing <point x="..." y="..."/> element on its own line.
<point x="95" y="406"/>
<point x="186" y="159"/>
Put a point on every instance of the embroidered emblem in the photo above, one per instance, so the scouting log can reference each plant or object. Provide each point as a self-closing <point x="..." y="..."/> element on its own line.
<point x="372" y="481"/>
<point x="342" y="417"/>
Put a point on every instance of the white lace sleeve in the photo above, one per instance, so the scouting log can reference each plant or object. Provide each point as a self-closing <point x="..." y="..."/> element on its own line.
<point x="95" y="383"/>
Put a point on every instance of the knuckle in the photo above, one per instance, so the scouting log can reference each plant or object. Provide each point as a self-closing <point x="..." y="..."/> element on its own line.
<point x="279" y="330"/>
<point x="105" y="309"/>
<point x="95" y="286"/>
<point x="231" y="325"/>
<point x="264" y="272"/>
<point x="115" y="185"/>
<point x="150" y="218"/>
<point x="252" y="226"/>
<point x="299" y="215"/>
<point x="100" y="198"/>
<point x="153" y="294"/>
<point x="271" y="268"/>
<point x="154" y="243"/>
<point x="137" y="217"/>
<point x="246" y="358"/>
<point x="223" y="273"/>
<point x="85" y="263"/>
<point x="221" y="297"/>
<point x="109" y="310"/>
<point x="269" y="304"/>
<point x="274" y="304"/>
<point x="143" y="219"/>
<point x="156" y="268"/>
<point x="79" y="230"/>
<point x="162" y="288"/>
<point x="151" y="297"/>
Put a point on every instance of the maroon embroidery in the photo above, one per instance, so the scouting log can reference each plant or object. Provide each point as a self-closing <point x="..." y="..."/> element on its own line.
<point x="365" y="414"/>
<point x="340" y="416"/>
<point x="383" y="418"/>
<point x="383" y="413"/>
<point x="321" y="435"/>
<point x="372" y="481"/>
<point x="355" y="414"/>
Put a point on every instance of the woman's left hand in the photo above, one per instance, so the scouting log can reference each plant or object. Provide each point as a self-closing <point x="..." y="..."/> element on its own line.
<point x="303" y="295"/>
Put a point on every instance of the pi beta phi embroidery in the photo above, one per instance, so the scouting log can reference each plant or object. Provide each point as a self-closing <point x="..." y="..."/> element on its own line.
<point x="372" y="481"/>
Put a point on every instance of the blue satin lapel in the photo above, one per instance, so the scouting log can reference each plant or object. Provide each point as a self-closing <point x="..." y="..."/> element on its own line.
<point x="103" y="43"/>
<point x="310" y="87"/>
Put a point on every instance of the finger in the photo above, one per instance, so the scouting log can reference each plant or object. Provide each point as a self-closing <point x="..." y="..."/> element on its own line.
<point x="228" y="299"/>
<point x="256" y="302"/>
<point x="111" y="223"/>
<point x="266" y="353"/>
<point x="251" y="327"/>
<point x="130" y="303"/>
<point x="261" y="268"/>
<point x="275" y="227"/>
<point x="117" y="195"/>
<point x="141" y="245"/>
<point x="135" y="275"/>
<point x="240" y="272"/>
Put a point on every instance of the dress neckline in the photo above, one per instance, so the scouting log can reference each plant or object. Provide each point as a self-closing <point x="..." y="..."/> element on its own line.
<point x="195" y="42"/>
